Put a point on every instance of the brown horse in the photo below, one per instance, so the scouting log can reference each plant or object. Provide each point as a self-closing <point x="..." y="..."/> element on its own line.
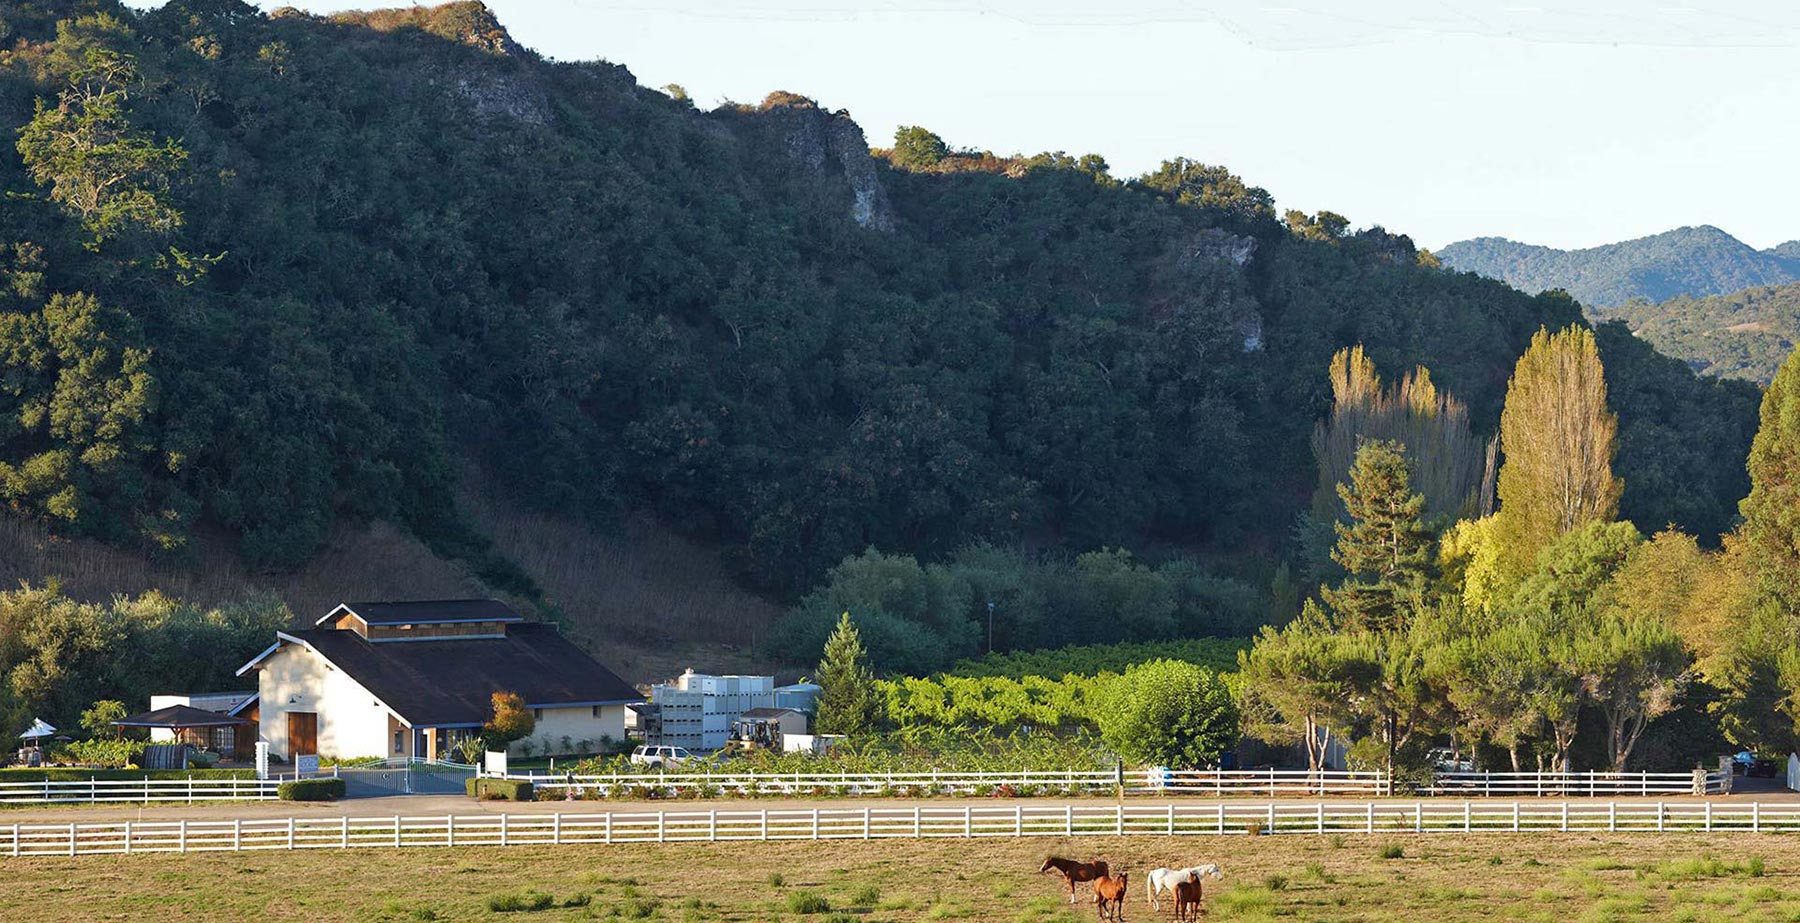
<point x="1109" y="894"/>
<point x="1187" y="901"/>
<point x="1073" y="871"/>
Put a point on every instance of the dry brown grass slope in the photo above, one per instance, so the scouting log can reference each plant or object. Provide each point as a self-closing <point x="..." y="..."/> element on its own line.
<point x="645" y="601"/>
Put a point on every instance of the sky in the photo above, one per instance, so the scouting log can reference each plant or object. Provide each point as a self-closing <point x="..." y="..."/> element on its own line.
<point x="1567" y="124"/>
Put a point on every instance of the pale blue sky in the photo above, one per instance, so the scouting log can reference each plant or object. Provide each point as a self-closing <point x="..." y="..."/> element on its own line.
<point x="1568" y="124"/>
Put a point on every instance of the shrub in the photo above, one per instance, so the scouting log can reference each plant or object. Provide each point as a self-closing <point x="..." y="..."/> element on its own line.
<point x="56" y="774"/>
<point x="112" y="754"/>
<point x="777" y="880"/>
<point x="499" y="789"/>
<point x="1392" y="851"/>
<point x="310" y="790"/>
<point x="866" y="896"/>
<point x="515" y="903"/>
<point x="1276" y="882"/>
<point x="807" y="902"/>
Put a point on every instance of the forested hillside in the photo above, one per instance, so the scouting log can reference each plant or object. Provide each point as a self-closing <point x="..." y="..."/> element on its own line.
<point x="1743" y="334"/>
<point x="267" y="275"/>
<point x="1692" y="261"/>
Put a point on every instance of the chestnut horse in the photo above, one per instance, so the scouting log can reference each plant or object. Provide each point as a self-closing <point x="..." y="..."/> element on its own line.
<point x="1073" y="871"/>
<point x="1187" y="901"/>
<point x="1109" y="894"/>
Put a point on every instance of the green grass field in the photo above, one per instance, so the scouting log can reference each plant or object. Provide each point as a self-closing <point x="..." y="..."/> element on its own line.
<point x="1553" y="878"/>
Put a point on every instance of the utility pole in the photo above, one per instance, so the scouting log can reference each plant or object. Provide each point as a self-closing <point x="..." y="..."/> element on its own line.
<point x="990" y="626"/>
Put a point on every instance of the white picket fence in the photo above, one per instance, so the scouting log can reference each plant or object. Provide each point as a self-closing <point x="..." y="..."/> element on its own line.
<point x="1264" y="782"/>
<point x="1580" y="784"/>
<point x="910" y="822"/>
<point x="136" y="791"/>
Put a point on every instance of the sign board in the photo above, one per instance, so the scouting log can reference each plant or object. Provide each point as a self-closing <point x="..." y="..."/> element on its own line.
<point x="306" y="764"/>
<point x="495" y="762"/>
<point x="262" y="759"/>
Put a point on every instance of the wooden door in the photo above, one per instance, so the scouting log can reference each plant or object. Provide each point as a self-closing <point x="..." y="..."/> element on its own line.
<point x="303" y="733"/>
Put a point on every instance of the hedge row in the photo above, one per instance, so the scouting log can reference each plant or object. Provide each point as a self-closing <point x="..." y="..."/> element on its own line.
<point x="500" y="790"/>
<point x="310" y="790"/>
<point x="57" y="774"/>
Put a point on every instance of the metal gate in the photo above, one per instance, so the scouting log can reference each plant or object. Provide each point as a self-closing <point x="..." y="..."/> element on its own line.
<point x="405" y="777"/>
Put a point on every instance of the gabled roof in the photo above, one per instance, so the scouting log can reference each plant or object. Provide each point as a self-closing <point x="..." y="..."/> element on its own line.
<point x="426" y="612"/>
<point x="180" y="716"/>
<point x="451" y="681"/>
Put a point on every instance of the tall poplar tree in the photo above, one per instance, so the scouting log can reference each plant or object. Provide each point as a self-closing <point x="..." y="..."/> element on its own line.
<point x="1385" y="549"/>
<point x="1771" y="526"/>
<point x="1559" y="439"/>
<point x="847" y="696"/>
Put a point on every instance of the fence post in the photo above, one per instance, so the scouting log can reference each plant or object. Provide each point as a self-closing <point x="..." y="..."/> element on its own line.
<point x="1515" y="817"/>
<point x="1271" y="818"/>
<point x="1755" y="817"/>
<point x="1069" y="820"/>
<point x="1221" y="807"/>
<point x="1321" y="807"/>
<point x="290" y="833"/>
<point x="1565" y="817"/>
<point x="1468" y="821"/>
<point x="1659" y="817"/>
<point x="1171" y="807"/>
<point x="916" y="825"/>
<point x="1418" y="817"/>
<point x="712" y="825"/>
<point x="181" y="841"/>
<point x="128" y="838"/>
<point x="1612" y="816"/>
<point x="1271" y="781"/>
<point x="1119" y="819"/>
<point x="662" y="825"/>
<point x="237" y="834"/>
<point x="15" y="840"/>
<point x="503" y="826"/>
<point x="815" y="823"/>
<point x="556" y="828"/>
<point x="1487" y="783"/>
<point x="1371" y="807"/>
<point x="608" y="825"/>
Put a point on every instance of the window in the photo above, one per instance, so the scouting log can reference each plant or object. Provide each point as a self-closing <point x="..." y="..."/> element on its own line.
<point x="399" y="741"/>
<point x="537" y="714"/>
<point x="596" y="711"/>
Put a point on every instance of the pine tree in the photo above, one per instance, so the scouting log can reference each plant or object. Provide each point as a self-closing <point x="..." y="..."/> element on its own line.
<point x="1559" y="440"/>
<point x="1385" y="549"/>
<point x="847" y="696"/>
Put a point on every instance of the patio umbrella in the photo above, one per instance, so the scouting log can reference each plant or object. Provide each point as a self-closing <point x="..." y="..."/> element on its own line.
<point x="39" y="729"/>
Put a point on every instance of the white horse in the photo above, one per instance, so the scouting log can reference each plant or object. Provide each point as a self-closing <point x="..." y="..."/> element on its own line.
<point x="1161" y="880"/>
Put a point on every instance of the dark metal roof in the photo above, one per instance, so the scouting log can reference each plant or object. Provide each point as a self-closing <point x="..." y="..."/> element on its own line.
<point x="451" y="681"/>
<point x="180" y="716"/>
<point x="429" y="611"/>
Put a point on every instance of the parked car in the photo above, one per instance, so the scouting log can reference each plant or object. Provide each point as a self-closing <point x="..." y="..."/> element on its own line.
<point x="660" y="757"/>
<point x="1444" y="759"/>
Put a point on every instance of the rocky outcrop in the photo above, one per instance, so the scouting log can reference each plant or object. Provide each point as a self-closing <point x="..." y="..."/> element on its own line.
<point x="513" y="96"/>
<point x="1214" y="244"/>
<point x="825" y="143"/>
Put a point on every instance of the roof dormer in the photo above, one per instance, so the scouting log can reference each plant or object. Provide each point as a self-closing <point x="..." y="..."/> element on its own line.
<point x="423" y="620"/>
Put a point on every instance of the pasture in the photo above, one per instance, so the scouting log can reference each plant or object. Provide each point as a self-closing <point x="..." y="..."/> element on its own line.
<point x="1587" y="878"/>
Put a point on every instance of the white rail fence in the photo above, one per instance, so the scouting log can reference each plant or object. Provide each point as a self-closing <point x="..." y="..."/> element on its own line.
<point x="912" y="822"/>
<point x="136" y="791"/>
<point x="1269" y="782"/>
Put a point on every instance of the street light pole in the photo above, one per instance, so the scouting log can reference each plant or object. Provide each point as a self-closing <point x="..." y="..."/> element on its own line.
<point x="990" y="626"/>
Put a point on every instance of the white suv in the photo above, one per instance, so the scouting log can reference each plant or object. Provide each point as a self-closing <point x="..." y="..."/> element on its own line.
<point x="660" y="757"/>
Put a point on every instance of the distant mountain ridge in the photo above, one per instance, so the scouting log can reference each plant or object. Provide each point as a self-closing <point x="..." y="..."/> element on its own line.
<point x="1690" y="261"/>
<point x="1744" y="334"/>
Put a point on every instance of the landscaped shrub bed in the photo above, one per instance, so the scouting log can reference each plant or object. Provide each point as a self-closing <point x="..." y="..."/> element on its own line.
<point x="76" y="774"/>
<point x="500" y="790"/>
<point x="311" y="790"/>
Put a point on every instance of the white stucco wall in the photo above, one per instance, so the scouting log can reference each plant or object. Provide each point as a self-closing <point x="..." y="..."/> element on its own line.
<point x="576" y="723"/>
<point x="351" y="722"/>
